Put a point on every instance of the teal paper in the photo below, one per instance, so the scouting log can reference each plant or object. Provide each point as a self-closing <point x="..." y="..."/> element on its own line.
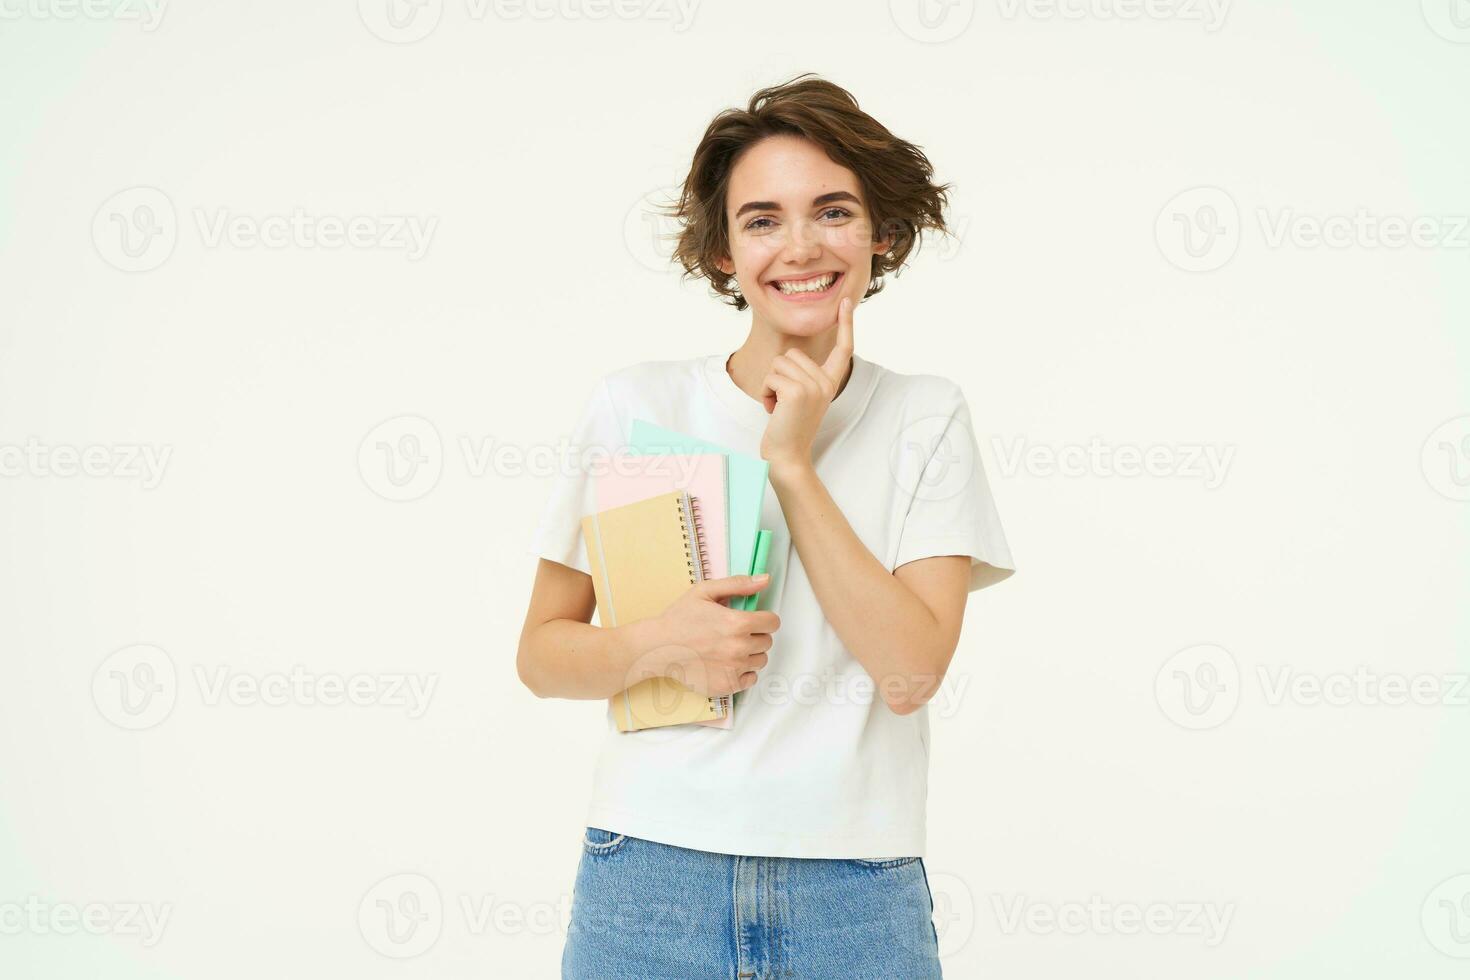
<point x="747" y="474"/>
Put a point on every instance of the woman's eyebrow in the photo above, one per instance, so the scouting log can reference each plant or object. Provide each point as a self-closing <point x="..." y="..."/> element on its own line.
<point x="820" y="199"/>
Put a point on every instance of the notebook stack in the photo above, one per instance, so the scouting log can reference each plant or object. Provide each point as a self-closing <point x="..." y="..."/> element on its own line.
<point x="677" y="511"/>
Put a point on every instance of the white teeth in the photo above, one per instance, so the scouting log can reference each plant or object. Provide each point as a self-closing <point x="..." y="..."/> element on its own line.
<point x="809" y="286"/>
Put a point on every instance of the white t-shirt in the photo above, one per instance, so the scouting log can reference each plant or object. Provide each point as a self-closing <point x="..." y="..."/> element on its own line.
<point x="816" y="764"/>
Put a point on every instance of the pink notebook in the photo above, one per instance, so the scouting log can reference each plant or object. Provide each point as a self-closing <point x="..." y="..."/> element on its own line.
<point x="704" y="475"/>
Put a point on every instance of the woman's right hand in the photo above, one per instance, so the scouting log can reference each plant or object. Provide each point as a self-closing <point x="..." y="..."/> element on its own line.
<point x="709" y="647"/>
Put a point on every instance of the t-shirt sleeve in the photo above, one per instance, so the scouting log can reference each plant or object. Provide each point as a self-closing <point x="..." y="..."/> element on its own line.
<point x="598" y="434"/>
<point x="951" y="511"/>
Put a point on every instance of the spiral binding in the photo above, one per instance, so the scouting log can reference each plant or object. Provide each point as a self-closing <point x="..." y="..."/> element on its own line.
<point x="721" y="702"/>
<point x="699" y="532"/>
<point x="697" y="518"/>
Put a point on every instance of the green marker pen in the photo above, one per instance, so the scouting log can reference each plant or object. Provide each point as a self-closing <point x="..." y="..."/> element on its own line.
<point x="758" y="567"/>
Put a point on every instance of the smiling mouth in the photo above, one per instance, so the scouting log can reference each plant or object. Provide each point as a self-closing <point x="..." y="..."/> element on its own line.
<point x="811" y="287"/>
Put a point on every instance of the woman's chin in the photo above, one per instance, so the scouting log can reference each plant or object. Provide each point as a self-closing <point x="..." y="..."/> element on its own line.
<point x="806" y="323"/>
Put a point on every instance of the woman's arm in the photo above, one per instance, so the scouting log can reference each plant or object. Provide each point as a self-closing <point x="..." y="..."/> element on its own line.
<point x="698" y="640"/>
<point x="902" y="627"/>
<point x="561" y="655"/>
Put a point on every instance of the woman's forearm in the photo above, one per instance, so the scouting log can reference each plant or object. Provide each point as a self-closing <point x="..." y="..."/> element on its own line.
<point x="564" y="658"/>
<point x="879" y="619"/>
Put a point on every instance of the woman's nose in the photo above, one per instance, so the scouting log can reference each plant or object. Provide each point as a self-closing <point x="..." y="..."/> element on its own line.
<point x="801" y="242"/>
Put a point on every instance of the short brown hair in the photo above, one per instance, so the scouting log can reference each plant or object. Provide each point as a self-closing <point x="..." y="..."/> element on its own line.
<point x="896" y="178"/>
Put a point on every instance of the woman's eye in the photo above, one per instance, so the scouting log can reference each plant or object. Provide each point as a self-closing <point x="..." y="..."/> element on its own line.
<point x="756" y="225"/>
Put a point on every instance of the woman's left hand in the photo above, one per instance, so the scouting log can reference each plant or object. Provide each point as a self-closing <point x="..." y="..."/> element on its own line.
<point x="798" y="392"/>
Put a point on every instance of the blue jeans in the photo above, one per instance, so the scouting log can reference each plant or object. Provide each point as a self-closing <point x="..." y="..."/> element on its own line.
<point x="648" y="911"/>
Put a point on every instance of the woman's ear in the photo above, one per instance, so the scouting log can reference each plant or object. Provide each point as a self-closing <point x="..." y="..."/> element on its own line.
<point x="726" y="266"/>
<point x="884" y="243"/>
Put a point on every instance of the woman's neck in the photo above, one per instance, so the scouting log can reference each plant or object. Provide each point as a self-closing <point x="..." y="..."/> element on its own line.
<point x="749" y="365"/>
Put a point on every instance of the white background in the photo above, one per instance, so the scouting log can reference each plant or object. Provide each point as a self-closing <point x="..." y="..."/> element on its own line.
<point x="1074" y="763"/>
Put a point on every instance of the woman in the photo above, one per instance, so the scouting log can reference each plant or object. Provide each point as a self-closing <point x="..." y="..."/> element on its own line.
<point x="791" y="845"/>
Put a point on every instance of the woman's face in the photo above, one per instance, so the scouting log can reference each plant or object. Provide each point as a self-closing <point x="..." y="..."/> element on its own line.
<point x="797" y="224"/>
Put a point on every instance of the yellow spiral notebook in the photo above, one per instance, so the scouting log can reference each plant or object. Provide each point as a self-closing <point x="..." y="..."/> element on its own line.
<point x="643" y="556"/>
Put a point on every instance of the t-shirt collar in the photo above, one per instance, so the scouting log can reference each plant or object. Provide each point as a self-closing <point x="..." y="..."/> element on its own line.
<point x="752" y="414"/>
